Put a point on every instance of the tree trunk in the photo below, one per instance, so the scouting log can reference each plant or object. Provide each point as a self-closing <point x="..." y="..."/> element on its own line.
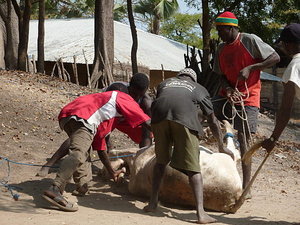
<point x="134" y="38"/>
<point x="155" y="25"/>
<point x="206" y="27"/>
<point x="104" y="43"/>
<point x="41" y="37"/>
<point x="24" y="33"/>
<point x="8" y="41"/>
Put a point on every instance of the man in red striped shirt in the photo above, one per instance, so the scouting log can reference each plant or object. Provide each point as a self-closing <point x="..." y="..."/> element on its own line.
<point x="88" y="120"/>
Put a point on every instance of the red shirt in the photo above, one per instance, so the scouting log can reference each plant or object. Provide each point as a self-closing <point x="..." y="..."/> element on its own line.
<point x="233" y="58"/>
<point x="102" y="110"/>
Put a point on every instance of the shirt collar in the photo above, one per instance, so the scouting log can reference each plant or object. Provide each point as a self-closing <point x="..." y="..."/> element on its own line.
<point x="296" y="56"/>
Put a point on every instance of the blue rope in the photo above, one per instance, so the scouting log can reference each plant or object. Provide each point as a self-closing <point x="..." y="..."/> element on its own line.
<point x="116" y="157"/>
<point x="30" y="164"/>
<point x="229" y="135"/>
<point x="10" y="188"/>
<point x="26" y="164"/>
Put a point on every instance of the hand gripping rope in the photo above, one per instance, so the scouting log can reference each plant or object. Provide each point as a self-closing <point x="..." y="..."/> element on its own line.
<point x="238" y="98"/>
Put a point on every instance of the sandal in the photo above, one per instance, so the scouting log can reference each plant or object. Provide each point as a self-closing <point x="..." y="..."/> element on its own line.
<point x="59" y="201"/>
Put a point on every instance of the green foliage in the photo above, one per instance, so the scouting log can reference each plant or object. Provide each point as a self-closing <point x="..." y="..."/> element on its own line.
<point x="66" y="8"/>
<point x="154" y="11"/>
<point x="286" y="11"/>
<point x="120" y="11"/>
<point x="183" y="28"/>
<point x="166" y="8"/>
<point x="264" y="18"/>
<point x="161" y="8"/>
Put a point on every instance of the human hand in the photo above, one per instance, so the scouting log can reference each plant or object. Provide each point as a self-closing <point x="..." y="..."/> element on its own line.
<point x="232" y="95"/>
<point x="229" y="92"/>
<point x="244" y="73"/>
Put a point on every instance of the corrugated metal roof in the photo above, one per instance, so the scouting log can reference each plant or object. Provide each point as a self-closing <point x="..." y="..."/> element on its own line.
<point x="65" y="38"/>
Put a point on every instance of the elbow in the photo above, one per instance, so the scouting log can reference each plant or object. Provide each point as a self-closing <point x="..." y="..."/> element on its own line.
<point x="276" y="58"/>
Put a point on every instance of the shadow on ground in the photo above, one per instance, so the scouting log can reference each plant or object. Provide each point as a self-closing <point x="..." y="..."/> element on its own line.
<point x="112" y="197"/>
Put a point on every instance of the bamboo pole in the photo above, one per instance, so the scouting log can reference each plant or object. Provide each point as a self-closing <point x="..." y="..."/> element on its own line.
<point x="87" y="70"/>
<point x="63" y="70"/>
<point x="67" y="75"/>
<point x="53" y="70"/>
<point x="27" y="63"/>
<point x="34" y="64"/>
<point x="59" y="70"/>
<point x="162" y="72"/>
<point x="75" y="70"/>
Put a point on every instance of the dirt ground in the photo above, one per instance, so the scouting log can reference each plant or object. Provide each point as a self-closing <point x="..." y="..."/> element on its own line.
<point x="29" y="133"/>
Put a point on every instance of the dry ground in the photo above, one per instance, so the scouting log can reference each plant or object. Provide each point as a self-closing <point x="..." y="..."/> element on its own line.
<point x="29" y="133"/>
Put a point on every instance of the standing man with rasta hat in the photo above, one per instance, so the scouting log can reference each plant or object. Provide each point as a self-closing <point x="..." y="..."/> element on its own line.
<point x="290" y="38"/>
<point x="239" y="60"/>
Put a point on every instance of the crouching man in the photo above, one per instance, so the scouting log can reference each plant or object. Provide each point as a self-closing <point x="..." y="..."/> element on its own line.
<point x="88" y="120"/>
<point x="177" y="112"/>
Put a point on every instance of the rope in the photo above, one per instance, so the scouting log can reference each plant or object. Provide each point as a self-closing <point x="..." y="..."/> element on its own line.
<point x="4" y="182"/>
<point x="25" y="164"/>
<point x="116" y="157"/>
<point x="239" y="98"/>
<point x="10" y="188"/>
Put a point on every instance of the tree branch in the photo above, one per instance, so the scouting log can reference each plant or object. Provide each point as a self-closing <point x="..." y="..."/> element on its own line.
<point x="17" y="8"/>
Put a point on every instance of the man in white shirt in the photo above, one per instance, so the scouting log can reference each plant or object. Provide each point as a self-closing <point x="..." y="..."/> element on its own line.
<point x="290" y="38"/>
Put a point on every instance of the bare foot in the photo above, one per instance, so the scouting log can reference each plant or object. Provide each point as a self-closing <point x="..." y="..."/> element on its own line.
<point x="43" y="172"/>
<point x="150" y="208"/>
<point x="204" y="219"/>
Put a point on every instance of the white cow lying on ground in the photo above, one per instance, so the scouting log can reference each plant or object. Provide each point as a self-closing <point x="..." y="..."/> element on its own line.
<point x="221" y="180"/>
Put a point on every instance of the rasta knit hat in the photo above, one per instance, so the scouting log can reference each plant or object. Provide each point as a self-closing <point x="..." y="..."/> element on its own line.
<point x="189" y="72"/>
<point x="227" y="19"/>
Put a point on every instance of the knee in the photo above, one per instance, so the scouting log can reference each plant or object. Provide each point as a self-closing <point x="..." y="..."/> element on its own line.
<point x="78" y="157"/>
<point x="160" y="167"/>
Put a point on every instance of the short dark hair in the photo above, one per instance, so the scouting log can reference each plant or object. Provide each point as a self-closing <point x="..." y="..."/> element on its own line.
<point x="139" y="81"/>
<point x="117" y="87"/>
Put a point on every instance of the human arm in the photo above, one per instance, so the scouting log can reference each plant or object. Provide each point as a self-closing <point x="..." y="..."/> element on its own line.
<point x="146" y="133"/>
<point x="147" y="125"/>
<point x="283" y="115"/>
<point x="268" y="62"/>
<point x="114" y="174"/>
<point x="109" y="145"/>
<point x="217" y="133"/>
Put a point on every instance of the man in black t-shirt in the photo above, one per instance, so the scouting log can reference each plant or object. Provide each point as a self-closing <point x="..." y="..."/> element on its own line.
<point x="177" y="112"/>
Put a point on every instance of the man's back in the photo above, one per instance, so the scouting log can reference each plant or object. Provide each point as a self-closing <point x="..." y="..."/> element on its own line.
<point x="181" y="100"/>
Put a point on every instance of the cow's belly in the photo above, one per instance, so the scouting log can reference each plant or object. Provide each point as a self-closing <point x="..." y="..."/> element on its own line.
<point x="221" y="180"/>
